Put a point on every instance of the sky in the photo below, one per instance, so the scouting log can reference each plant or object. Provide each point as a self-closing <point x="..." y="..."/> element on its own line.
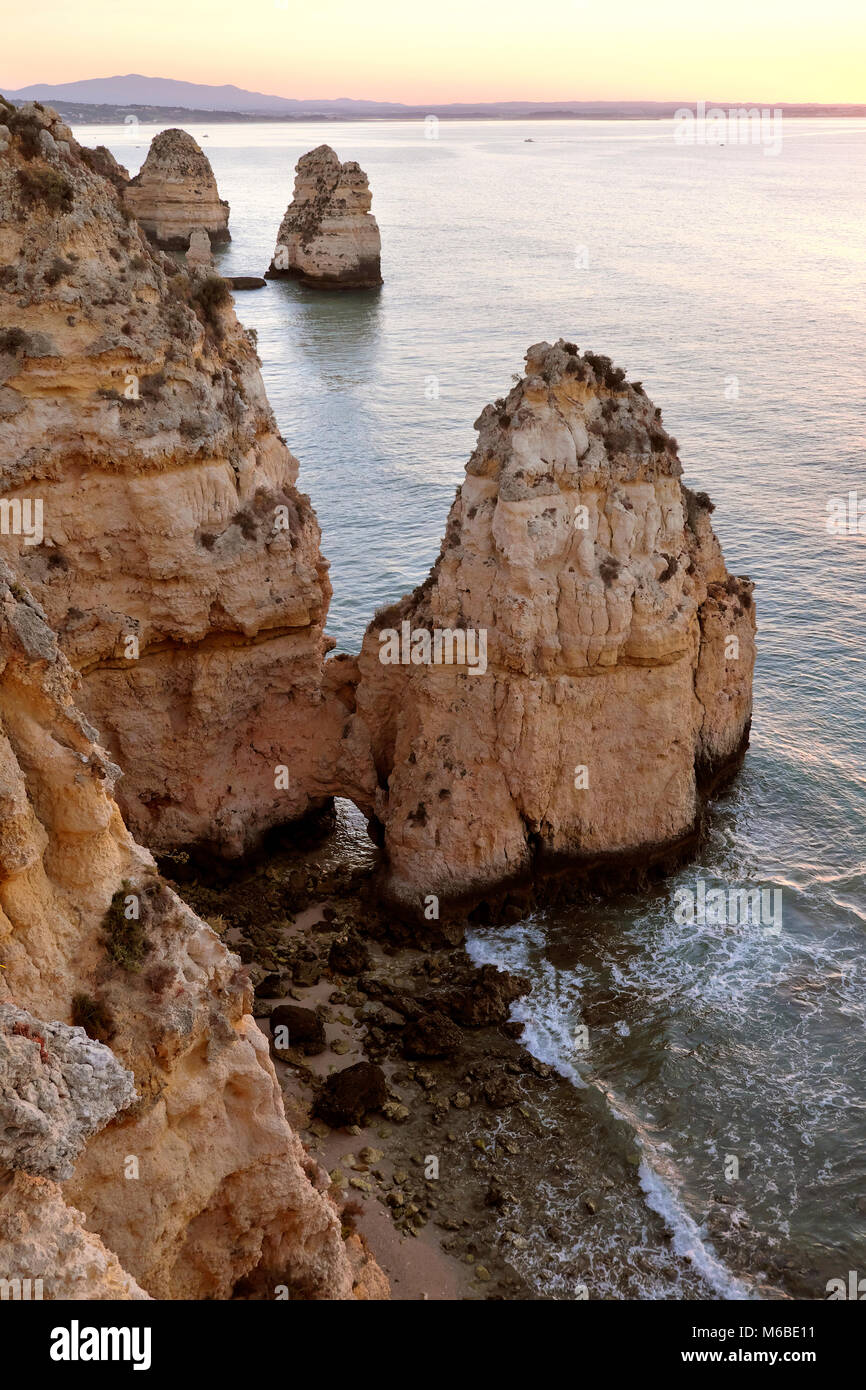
<point x="419" y="51"/>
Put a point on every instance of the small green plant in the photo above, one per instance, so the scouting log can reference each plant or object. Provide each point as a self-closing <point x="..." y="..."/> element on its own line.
<point x="124" y="936"/>
<point x="208" y="296"/>
<point x="91" y="1015"/>
<point x="13" y="339"/>
<point x="57" y="270"/>
<point x="609" y="570"/>
<point x="45" y="187"/>
<point x="28" y="130"/>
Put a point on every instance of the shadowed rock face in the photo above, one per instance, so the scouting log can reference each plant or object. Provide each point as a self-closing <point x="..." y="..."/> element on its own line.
<point x="178" y="562"/>
<point x="617" y="650"/>
<point x="175" y="193"/>
<point x="223" y="1190"/>
<point x="329" y="238"/>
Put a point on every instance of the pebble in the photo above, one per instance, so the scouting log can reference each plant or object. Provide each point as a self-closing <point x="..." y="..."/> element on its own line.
<point x="392" y="1110"/>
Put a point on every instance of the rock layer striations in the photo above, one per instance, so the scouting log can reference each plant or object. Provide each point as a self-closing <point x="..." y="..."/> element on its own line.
<point x="150" y="1095"/>
<point x="175" y="193"/>
<point x="329" y="238"/>
<point x="607" y="654"/>
<point x="175" y="557"/>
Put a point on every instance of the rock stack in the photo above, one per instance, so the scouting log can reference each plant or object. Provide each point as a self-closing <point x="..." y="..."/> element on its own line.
<point x="595" y="657"/>
<point x="175" y="193"/>
<point x="329" y="238"/>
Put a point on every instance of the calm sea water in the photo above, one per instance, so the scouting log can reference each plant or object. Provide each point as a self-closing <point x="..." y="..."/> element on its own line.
<point x="733" y="284"/>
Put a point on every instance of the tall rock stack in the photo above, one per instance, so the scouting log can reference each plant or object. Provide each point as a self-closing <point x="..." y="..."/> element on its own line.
<point x="175" y="193"/>
<point x="607" y="654"/>
<point x="176" y="558"/>
<point x="329" y="238"/>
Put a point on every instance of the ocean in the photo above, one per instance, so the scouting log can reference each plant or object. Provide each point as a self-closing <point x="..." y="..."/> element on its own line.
<point x="732" y="283"/>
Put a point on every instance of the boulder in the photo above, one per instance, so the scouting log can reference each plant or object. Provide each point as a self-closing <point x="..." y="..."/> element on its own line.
<point x="347" y="1095"/>
<point x="306" y="1031"/>
<point x="431" y="1035"/>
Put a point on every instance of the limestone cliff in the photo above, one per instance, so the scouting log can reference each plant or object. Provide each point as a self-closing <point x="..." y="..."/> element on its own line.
<point x="605" y="674"/>
<point x="175" y="557"/>
<point x="175" y="193"/>
<point x="173" y="1143"/>
<point x="329" y="238"/>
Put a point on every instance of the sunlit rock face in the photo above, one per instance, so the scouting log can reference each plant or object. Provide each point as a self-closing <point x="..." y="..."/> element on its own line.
<point x="175" y="193"/>
<point x="131" y="1069"/>
<point x="606" y="671"/>
<point x="329" y="238"/>
<point x="175" y="556"/>
<point x="45" y="1246"/>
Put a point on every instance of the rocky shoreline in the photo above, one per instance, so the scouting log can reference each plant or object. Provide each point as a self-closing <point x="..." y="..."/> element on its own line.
<point x="576" y="665"/>
<point x="473" y="1170"/>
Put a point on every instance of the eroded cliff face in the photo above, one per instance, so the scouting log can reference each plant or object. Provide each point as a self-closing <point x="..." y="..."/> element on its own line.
<point x="175" y="193"/>
<point x="608" y="666"/>
<point x="329" y="238"/>
<point x="165" y="1126"/>
<point x="175" y="557"/>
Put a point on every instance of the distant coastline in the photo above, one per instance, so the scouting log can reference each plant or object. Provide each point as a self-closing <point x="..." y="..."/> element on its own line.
<point x="159" y="115"/>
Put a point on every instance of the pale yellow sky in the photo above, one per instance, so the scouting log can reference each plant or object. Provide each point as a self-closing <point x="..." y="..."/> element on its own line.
<point x="454" y="50"/>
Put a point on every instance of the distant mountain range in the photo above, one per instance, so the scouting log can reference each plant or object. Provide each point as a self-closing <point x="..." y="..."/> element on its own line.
<point x="159" y="98"/>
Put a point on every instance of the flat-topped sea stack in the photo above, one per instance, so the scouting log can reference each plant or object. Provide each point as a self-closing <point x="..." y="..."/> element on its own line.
<point x="329" y="238"/>
<point x="175" y="193"/>
<point x="576" y="672"/>
<point x="175" y="557"/>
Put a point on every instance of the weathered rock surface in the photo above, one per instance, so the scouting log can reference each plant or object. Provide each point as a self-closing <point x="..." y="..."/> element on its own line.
<point x="199" y="255"/>
<point x="57" y="1088"/>
<point x="199" y="1188"/>
<point x="617" y="650"/>
<point x="175" y="193"/>
<point x="486" y="997"/>
<point x="44" y="1239"/>
<point x="431" y="1035"/>
<point x="329" y="238"/>
<point x="179" y="564"/>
